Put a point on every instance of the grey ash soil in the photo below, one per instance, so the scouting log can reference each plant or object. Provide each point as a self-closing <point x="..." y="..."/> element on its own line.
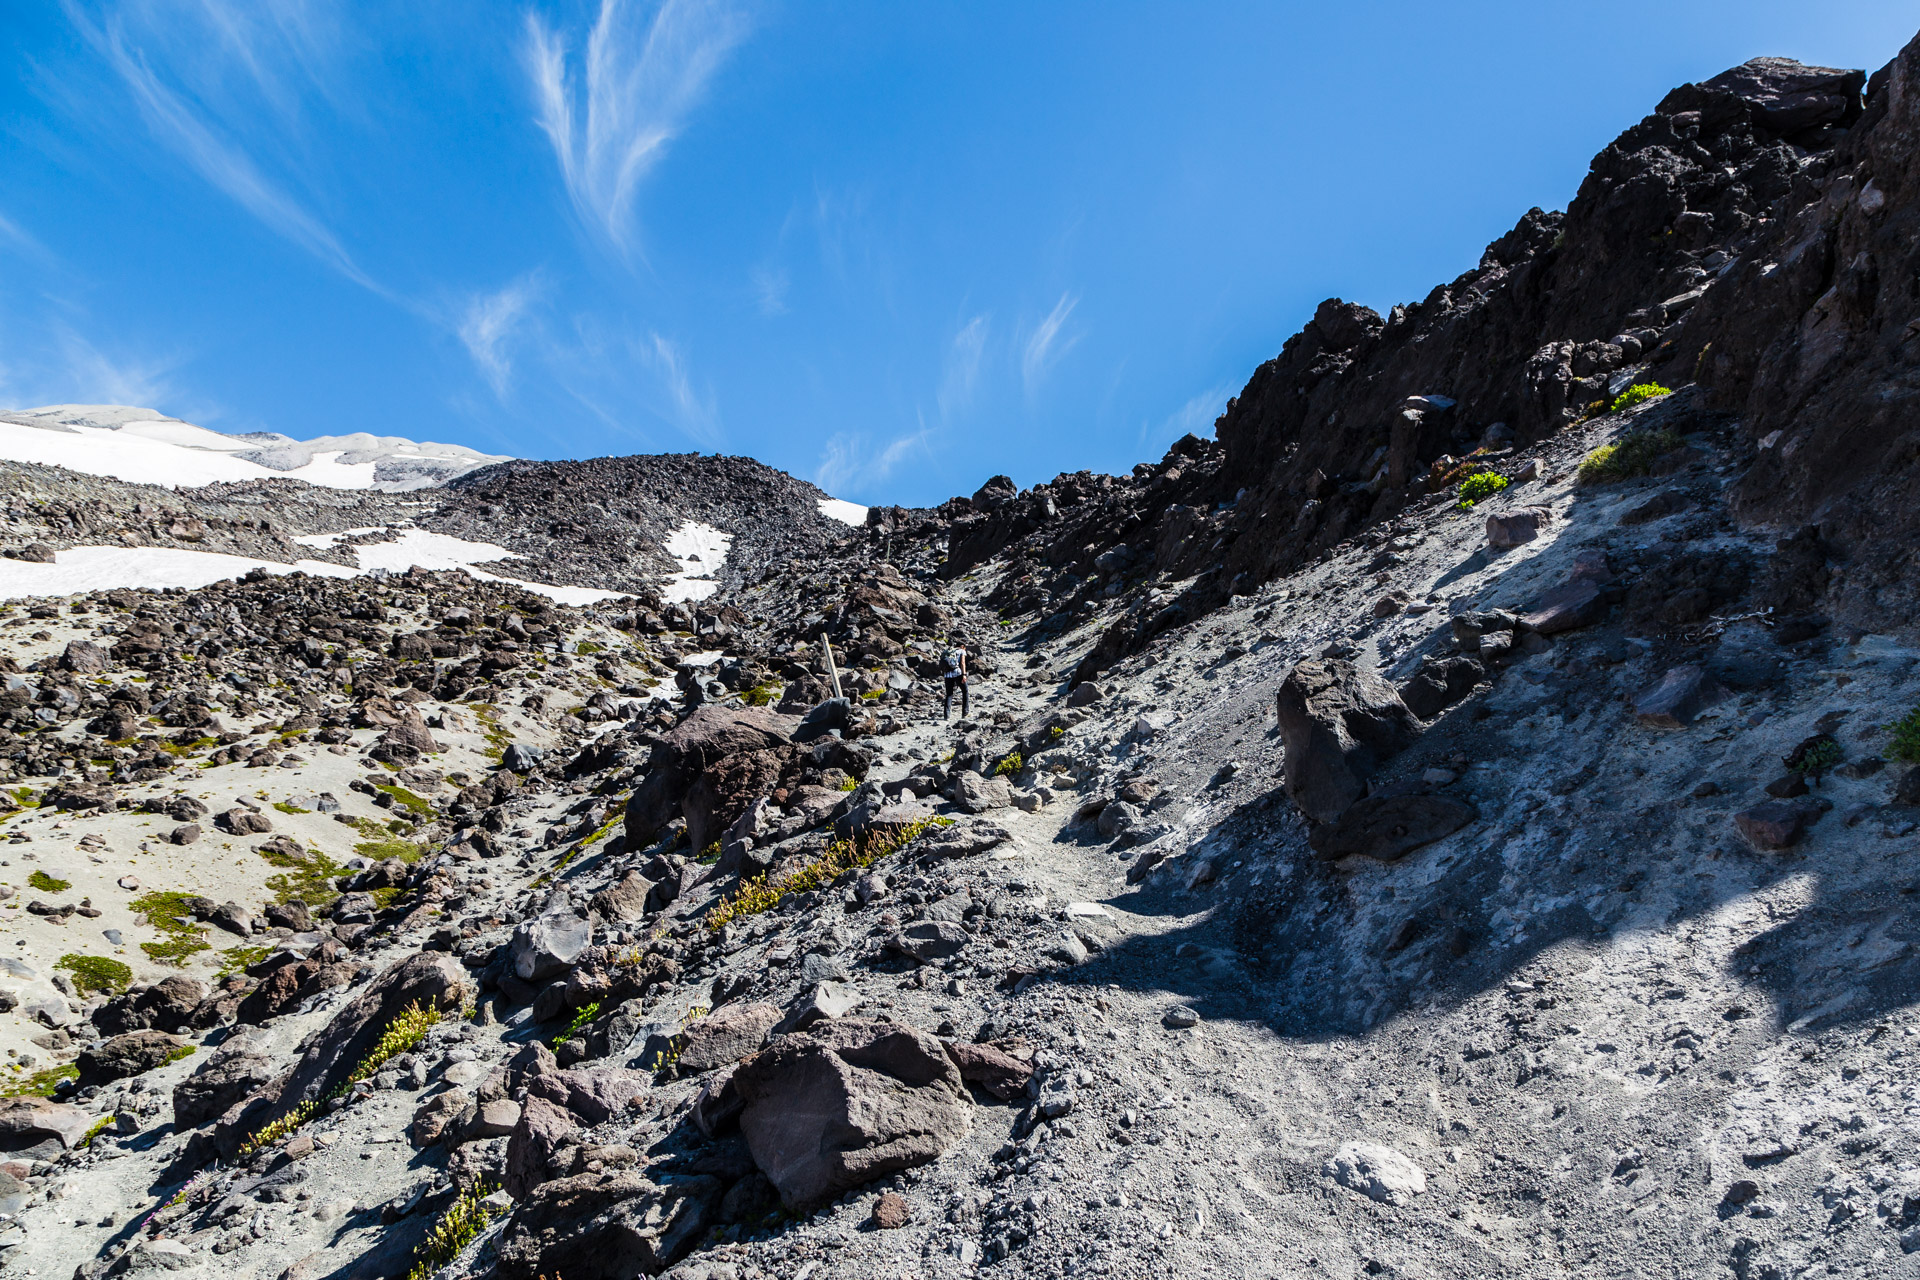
<point x="1328" y="879"/>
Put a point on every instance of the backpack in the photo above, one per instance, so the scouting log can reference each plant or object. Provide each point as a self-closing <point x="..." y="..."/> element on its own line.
<point x="954" y="658"/>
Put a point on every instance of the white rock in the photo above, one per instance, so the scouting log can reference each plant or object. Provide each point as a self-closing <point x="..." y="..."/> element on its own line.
<point x="1381" y="1173"/>
<point x="1087" y="910"/>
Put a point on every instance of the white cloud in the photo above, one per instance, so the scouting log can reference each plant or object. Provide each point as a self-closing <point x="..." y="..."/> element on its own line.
<point x="1046" y="344"/>
<point x="688" y="409"/>
<point x="961" y="370"/>
<point x="186" y="71"/>
<point x="488" y="322"/>
<point x="69" y="369"/>
<point x="610" y="119"/>
<point x="1194" y="417"/>
<point x="770" y="286"/>
<point x="849" y="464"/>
<point x="22" y="241"/>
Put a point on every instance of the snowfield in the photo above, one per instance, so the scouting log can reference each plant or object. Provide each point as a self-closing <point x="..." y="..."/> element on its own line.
<point x="144" y="446"/>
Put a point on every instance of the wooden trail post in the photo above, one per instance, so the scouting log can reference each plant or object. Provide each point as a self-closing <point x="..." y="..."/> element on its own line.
<point x="833" y="675"/>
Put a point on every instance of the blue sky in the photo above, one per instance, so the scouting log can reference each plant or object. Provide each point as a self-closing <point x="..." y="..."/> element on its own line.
<point x="893" y="248"/>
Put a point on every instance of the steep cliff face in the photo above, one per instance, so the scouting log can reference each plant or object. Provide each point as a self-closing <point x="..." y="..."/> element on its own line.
<point x="1812" y="337"/>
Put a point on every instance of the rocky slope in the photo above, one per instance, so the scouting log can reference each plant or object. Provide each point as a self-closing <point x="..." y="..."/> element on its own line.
<point x="1476" y="845"/>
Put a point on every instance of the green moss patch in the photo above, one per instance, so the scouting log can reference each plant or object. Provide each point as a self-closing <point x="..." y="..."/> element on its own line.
<point x="47" y="884"/>
<point x="418" y="806"/>
<point x="234" y="959"/>
<point x="166" y="913"/>
<point x="96" y="973"/>
<point x="309" y="879"/>
<point x="40" y="1083"/>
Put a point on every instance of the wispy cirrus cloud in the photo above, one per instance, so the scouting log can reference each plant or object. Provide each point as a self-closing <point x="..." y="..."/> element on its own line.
<point x="690" y="409"/>
<point x="1048" y="342"/>
<point x="1195" y="417"/>
<point x="488" y="324"/>
<point x="64" y="367"/>
<point x="611" y="113"/>
<point x="20" y="240"/>
<point x="223" y="85"/>
<point x="960" y="371"/>
<point x="770" y="285"/>
<point x="851" y="464"/>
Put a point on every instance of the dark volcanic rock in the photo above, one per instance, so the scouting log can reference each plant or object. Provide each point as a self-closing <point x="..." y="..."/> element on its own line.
<point x="1338" y="723"/>
<point x="1388" y="826"/>
<point x="848" y="1101"/>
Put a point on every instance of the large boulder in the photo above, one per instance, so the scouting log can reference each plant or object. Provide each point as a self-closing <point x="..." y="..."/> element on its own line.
<point x="961" y="840"/>
<point x="725" y="1036"/>
<point x="724" y="791"/>
<point x="973" y="793"/>
<point x="705" y="738"/>
<point x="1682" y="694"/>
<point x="847" y="1101"/>
<point x="595" y="1096"/>
<point x="547" y="945"/>
<point x="234" y="1070"/>
<point x="132" y="1054"/>
<point x="606" y="1226"/>
<point x="624" y="901"/>
<point x="1789" y="97"/>
<point x="36" y="1125"/>
<point x="167" y="1005"/>
<point x="541" y="1129"/>
<point x="1337" y="724"/>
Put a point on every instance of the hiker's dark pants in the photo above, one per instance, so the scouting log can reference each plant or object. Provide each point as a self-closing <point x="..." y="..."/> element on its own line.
<point x="946" y="708"/>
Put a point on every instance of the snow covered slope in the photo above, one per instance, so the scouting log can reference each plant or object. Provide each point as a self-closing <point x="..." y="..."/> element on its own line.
<point x="145" y="446"/>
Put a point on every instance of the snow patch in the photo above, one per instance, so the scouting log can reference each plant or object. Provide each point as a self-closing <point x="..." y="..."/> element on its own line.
<point x="845" y="512"/>
<point x="700" y="550"/>
<point x="80" y="569"/>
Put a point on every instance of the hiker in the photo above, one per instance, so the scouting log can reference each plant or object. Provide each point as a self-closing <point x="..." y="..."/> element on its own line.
<point x="955" y="677"/>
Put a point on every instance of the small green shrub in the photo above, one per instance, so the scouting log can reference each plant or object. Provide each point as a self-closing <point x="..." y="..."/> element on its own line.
<point x="860" y="851"/>
<point x="588" y="1012"/>
<point x="1629" y="456"/>
<point x="709" y="855"/>
<point x="286" y="807"/>
<point x="1638" y="393"/>
<point x="1481" y="485"/>
<point x="47" y="884"/>
<point x="850" y="784"/>
<point x="1819" y="758"/>
<point x="761" y="695"/>
<point x="1906" y="737"/>
<point x="1010" y="765"/>
<point x="96" y="973"/>
<point x="464" y="1219"/>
